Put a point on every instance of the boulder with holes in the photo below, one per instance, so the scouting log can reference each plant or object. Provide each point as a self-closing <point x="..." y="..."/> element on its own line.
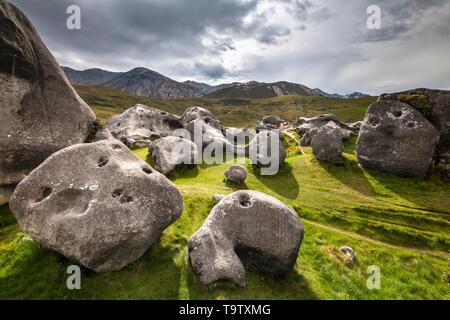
<point x="236" y="174"/>
<point x="434" y="105"/>
<point x="396" y="138"/>
<point x="40" y="112"/>
<point x="97" y="204"/>
<point x="171" y="152"/>
<point x="140" y="125"/>
<point x="246" y="229"/>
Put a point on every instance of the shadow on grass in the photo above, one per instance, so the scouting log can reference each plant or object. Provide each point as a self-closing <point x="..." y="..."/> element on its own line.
<point x="430" y="194"/>
<point x="349" y="173"/>
<point x="259" y="286"/>
<point x="284" y="183"/>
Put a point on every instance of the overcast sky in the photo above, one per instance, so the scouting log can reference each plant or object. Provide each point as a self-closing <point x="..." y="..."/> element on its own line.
<point x="319" y="43"/>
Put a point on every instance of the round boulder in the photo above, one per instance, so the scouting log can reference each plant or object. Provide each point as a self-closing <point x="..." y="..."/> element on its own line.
<point x="236" y="174"/>
<point x="246" y="229"/>
<point x="327" y="142"/>
<point x="97" y="204"/>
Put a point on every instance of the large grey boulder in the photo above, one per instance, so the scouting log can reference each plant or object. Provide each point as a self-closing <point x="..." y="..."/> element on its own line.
<point x="267" y="152"/>
<point x="40" y="112"/>
<point x="396" y="138"/>
<point x="434" y="105"/>
<point x="239" y="136"/>
<point x="327" y="142"/>
<point x="140" y="125"/>
<point x="97" y="204"/>
<point x="246" y="229"/>
<point x="171" y="152"/>
<point x="236" y="174"/>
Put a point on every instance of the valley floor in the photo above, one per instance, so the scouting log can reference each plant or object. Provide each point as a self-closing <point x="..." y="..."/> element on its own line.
<point x="400" y="225"/>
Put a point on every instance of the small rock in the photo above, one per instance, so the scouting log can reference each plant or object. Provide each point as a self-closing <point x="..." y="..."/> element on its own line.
<point x="327" y="142"/>
<point x="236" y="174"/>
<point x="349" y="252"/>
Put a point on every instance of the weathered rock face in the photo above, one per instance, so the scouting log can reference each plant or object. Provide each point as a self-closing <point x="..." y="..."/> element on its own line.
<point x="246" y="228"/>
<point x="39" y="110"/>
<point x="171" y="152"/>
<point x="304" y="125"/>
<point x="203" y="127"/>
<point x="396" y="138"/>
<point x="327" y="142"/>
<point x="269" y="123"/>
<point x="434" y="105"/>
<point x="140" y="125"/>
<point x="97" y="204"/>
<point x="236" y="174"/>
<point x="267" y="152"/>
<point x="5" y="194"/>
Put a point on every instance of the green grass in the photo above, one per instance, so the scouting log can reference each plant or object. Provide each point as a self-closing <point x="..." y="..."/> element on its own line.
<point x="400" y="225"/>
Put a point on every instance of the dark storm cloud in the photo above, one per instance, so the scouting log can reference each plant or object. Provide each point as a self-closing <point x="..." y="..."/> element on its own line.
<point x="211" y="71"/>
<point x="398" y="17"/>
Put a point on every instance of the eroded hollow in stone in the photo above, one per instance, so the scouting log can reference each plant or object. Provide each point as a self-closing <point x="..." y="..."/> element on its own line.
<point x="147" y="170"/>
<point x="117" y="193"/>
<point x="245" y="200"/>
<point x="103" y="161"/>
<point x="397" y="113"/>
<point x="45" y="193"/>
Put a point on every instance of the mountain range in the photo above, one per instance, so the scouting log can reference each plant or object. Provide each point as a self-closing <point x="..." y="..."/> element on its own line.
<point x="149" y="83"/>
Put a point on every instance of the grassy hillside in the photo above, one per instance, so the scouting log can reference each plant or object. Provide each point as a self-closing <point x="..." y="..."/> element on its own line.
<point x="232" y="112"/>
<point x="400" y="225"/>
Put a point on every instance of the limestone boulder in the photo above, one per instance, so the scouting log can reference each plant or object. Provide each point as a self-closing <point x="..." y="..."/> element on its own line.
<point x="327" y="142"/>
<point x="267" y="152"/>
<point x="396" y="138"/>
<point x="40" y="112"/>
<point x="97" y="204"/>
<point x="140" y="125"/>
<point x="246" y="230"/>
<point x="171" y="152"/>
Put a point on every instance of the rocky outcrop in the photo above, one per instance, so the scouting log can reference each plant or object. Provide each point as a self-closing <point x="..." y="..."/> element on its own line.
<point x="97" y="204"/>
<point x="140" y="125"/>
<point x="246" y="229"/>
<point x="267" y="152"/>
<point x="396" y="138"/>
<point x="327" y="142"/>
<point x="40" y="112"/>
<point x="434" y="105"/>
<point x="203" y="127"/>
<point x="269" y="123"/>
<point x="304" y="125"/>
<point x="171" y="152"/>
<point x="236" y="174"/>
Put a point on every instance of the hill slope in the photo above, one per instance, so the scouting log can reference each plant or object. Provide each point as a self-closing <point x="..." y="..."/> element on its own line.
<point x="107" y="102"/>
<point x="92" y="77"/>
<point x="256" y="90"/>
